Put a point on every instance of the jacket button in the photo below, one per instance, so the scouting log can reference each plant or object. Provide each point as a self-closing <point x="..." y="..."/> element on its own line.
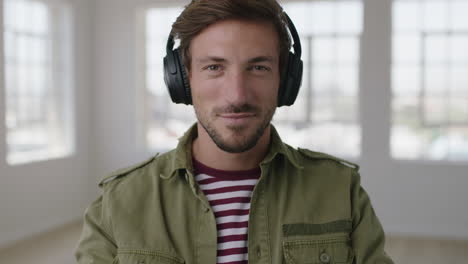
<point x="324" y="258"/>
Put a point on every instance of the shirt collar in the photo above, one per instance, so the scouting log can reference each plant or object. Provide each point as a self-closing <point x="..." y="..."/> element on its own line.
<point x="182" y="157"/>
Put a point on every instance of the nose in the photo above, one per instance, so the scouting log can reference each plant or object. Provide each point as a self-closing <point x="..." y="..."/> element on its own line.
<point x="236" y="87"/>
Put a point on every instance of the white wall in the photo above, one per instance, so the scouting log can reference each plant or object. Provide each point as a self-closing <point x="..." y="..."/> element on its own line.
<point x="115" y="117"/>
<point x="39" y="196"/>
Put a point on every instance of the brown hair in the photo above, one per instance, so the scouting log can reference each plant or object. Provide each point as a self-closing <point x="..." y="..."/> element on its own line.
<point x="199" y="14"/>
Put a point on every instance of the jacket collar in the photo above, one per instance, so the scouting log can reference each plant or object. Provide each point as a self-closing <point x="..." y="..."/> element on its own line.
<point x="182" y="156"/>
<point x="277" y="146"/>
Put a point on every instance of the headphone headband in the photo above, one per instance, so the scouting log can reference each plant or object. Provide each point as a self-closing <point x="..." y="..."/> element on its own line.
<point x="296" y="40"/>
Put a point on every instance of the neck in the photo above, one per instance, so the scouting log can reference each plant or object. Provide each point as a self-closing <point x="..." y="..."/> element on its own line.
<point x="208" y="153"/>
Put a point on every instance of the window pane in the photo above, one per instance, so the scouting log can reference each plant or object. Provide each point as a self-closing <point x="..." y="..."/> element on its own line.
<point x="435" y="110"/>
<point x="435" y="15"/>
<point x="406" y="111"/>
<point x="458" y="144"/>
<point x="38" y="81"/>
<point x="38" y="54"/>
<point x="449" y="145"/>
<point x="459" y="81"/>
<point x="411" y="142"/>
<point x="322" y="16"/>
<point x="458" y="11"/>
<point x="459" y="49"/>
<point x="324" y="82"/>
<point x="458" y="109"/>
<point x="406" y="81"/>
<point x="430" y="92"/>
<point x="323" y="109"/>
<point x="349" y="17"/>
<point x="323" y="51"/>
<point x="408" y="47"/>
<point x="38" y="21"/>
<point x="347" y="80"/>
<point x="347" y="51"/>
<point x="436" y="81"/>
<point x="436" y="50"/>
<point x="406" y="16"/>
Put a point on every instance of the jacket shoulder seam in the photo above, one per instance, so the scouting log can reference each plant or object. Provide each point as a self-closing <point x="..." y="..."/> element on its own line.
<point x="323" y="156"/>
<point x="125" y="171"/>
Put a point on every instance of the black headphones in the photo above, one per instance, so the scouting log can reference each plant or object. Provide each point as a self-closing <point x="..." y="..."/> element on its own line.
<point x="177" y="81"/>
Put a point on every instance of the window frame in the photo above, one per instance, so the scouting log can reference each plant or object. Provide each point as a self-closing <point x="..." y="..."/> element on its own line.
<point x="59" y="87"/>
<point x="422" y="35"/>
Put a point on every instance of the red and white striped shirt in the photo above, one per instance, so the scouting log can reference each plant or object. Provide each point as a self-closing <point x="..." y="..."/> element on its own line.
<point x="229" y="194"/>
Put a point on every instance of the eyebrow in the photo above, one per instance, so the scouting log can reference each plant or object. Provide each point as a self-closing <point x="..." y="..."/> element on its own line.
<point x="210" y="59"/>
<point x="261" y="59"/>
<point x="219" y="59"/>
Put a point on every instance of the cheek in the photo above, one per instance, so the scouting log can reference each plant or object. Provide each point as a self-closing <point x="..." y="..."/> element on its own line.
<point x="268" y="91"/>
<point x="204" y="93"/>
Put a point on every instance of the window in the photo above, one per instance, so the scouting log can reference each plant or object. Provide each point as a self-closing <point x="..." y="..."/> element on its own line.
<point x="325" y="115"/>
<point x="37" y="81"/>
<point x="430" y="80"/>
<point x="165" y="121"/>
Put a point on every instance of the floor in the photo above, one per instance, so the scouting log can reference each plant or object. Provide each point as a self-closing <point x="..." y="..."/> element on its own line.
<point x="58" y="247"/>
<point x="426" y="251"/>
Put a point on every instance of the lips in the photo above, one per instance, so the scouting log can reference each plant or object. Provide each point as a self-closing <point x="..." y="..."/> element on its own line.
<point x="237" y="119"/>
<point x="237" y="115"/>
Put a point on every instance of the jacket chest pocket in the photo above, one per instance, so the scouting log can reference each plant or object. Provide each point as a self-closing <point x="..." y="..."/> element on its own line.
<point x="132" y="256"/>
<point x="318" y="249"/>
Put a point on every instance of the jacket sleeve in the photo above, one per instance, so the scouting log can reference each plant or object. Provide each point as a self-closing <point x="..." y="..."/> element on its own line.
<point x="368" y="237"/>
<point x="95" y="246"/>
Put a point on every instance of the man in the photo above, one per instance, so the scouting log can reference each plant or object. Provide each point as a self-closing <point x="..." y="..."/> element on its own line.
<point x="232" y="191"/>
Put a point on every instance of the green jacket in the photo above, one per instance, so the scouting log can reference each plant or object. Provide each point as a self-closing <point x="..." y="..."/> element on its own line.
<point x="307" y="207"/>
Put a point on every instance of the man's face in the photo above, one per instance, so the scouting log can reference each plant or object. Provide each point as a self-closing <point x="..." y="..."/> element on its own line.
<point x="234" y="80"/>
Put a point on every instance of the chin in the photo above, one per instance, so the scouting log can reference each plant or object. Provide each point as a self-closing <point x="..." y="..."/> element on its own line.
<point x="239" y="139"/>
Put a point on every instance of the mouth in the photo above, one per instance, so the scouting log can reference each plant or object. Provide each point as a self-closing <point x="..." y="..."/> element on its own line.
<point x="237" y="119"/>
<point x="236" y="115"/>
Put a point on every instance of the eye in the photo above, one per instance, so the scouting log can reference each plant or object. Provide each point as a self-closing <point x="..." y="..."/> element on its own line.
<point x="214" y="67"/>
<point x="260" y="68"/>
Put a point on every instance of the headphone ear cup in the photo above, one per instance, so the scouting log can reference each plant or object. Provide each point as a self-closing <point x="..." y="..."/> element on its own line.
<point x="176" y="78"/>
<point x="291" y="81"/>
<point x="185" y="79"/>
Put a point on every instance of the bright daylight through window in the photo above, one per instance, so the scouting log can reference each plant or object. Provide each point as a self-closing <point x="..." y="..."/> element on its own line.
<point x="430" y="80"/>
<point x="325" y="115"/>
<point x="37" y="80"/>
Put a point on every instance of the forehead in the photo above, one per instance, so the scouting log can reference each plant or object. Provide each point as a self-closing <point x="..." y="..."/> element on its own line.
<point x="237" y="38"/>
